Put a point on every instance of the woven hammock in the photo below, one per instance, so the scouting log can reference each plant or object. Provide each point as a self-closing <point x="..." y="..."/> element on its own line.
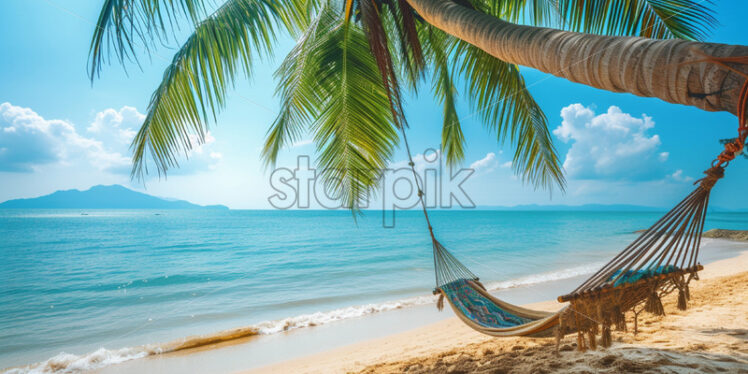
<point x="663" y="259"/>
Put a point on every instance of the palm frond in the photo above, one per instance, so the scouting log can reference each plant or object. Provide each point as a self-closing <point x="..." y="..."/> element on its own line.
<point x="194" y="85"/>
<point x="300" y="94"/>
<point x="439" y="46"/>
<point x="411" y="52"/>
<point x="686" y="19"/>
<point x="379" y="45"/>
<point x="498" y="94"/>
<point x="126" y="26"/>
<point x="453" y="140"/>
<point x="330" y="85"/>
<point x="355" y="131"/>
<point x="536" y="12"/>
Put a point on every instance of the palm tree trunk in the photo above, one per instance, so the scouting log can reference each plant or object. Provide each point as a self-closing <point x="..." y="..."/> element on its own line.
<point x="644" y="67"/>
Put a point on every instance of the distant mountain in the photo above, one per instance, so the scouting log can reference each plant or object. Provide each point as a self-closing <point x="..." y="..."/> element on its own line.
<point x="102" y="197"/>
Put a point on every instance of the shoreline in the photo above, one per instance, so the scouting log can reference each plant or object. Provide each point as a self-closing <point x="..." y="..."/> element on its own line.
<point x="444" y="339"/>
<point x="264" y="350"/>
<point x="242" y="348"/>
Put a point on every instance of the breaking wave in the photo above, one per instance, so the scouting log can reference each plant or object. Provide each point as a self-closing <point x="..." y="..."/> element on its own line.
<point x="64" y="363"/>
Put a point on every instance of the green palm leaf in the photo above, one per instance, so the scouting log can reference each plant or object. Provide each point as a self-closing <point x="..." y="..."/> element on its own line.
<point x="373" y="22"/>
<point x="330" y="85"/>
<point x="439" y="46"/>
<point x="298" y="89"/>
<point x="194" y="85"/>
<point x="498" y="94"/>
<point x="349" y="96"/>
<point x="537" y="12"/>
<point x="686" y="19"/>
<point x="125" y="24"/>
<point x="355" y="131"/>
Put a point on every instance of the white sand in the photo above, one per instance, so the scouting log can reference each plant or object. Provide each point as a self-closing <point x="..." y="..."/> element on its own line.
<point x="711" y="336"/>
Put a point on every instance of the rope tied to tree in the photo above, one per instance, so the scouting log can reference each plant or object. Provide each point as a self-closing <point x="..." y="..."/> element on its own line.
<point x="447" y="268"/>
<point x="735" y="147"/>
<point x="663" y="259"/>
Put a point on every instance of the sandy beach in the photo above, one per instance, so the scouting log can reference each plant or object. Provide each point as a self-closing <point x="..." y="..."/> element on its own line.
<point x="708" y="337"/>
<point x="711" y="336"/>
<point x="340" y="186"/>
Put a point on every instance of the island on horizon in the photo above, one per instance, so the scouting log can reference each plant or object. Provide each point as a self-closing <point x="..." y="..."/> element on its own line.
<point x="102" y="197"/>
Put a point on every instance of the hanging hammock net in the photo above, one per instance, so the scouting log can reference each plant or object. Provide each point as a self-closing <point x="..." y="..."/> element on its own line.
<point x="664" y="258"/>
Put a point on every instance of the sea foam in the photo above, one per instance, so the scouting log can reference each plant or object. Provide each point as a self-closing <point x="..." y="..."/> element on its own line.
<point x="70" y="363"/>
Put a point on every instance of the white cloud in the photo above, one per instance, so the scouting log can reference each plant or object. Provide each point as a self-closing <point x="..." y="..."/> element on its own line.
<point x="116" y="125"/>
<point x="613" y="145"/>
<point x="35" y="141"/>
<point x="486" y="164"/>
<point x="506" y="165"/>
<point x="200" y="157"/>
<point x="302" y="143"/>
<point x="678" y="176"/>
<point x="29" y="141"/>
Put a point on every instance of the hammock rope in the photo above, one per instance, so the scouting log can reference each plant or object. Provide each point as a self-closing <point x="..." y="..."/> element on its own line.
<point x="447" y="267"/>
<point x="664" y="258"/>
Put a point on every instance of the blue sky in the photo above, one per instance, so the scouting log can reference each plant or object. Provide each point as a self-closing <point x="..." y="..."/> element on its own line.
<point x="67" y="133"/>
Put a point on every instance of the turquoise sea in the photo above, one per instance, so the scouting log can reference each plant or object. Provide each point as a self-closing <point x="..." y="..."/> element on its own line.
<point x="101" y="285"/>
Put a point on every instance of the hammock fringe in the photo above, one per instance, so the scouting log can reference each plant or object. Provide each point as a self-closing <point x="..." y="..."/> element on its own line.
<point x="663" y="259"/>
<point x="682" y="305"/>
<point x="619" y="318"/>
<point x="654" y="304"/>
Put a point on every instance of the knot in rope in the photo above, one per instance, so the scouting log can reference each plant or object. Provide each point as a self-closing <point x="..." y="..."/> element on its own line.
<point x="731" y="150"/>
<point x="713" y="174"/>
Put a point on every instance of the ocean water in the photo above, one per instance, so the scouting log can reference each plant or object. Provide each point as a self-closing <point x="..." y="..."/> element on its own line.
<point x="82" y="290"/>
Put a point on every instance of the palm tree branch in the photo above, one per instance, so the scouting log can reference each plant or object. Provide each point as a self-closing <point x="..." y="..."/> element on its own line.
<point x="439" y="45"/>
<point x="355" y="131"/>
<point x="124" y="26"/>
<point x="298" y="88"/>
<point x="194" y="85"/>
<point x="663" y="19"/>
<point x="499" y="95"/>
<point x="405" y="27"/>
<point x="379" y="45"/>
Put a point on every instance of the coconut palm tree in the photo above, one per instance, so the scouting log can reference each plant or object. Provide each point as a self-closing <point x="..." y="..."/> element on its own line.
<point x="343" y="81"/>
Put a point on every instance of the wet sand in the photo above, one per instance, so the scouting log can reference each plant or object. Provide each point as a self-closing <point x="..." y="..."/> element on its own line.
<point x="421" y="339"/>
<point x="711" y="336"/>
